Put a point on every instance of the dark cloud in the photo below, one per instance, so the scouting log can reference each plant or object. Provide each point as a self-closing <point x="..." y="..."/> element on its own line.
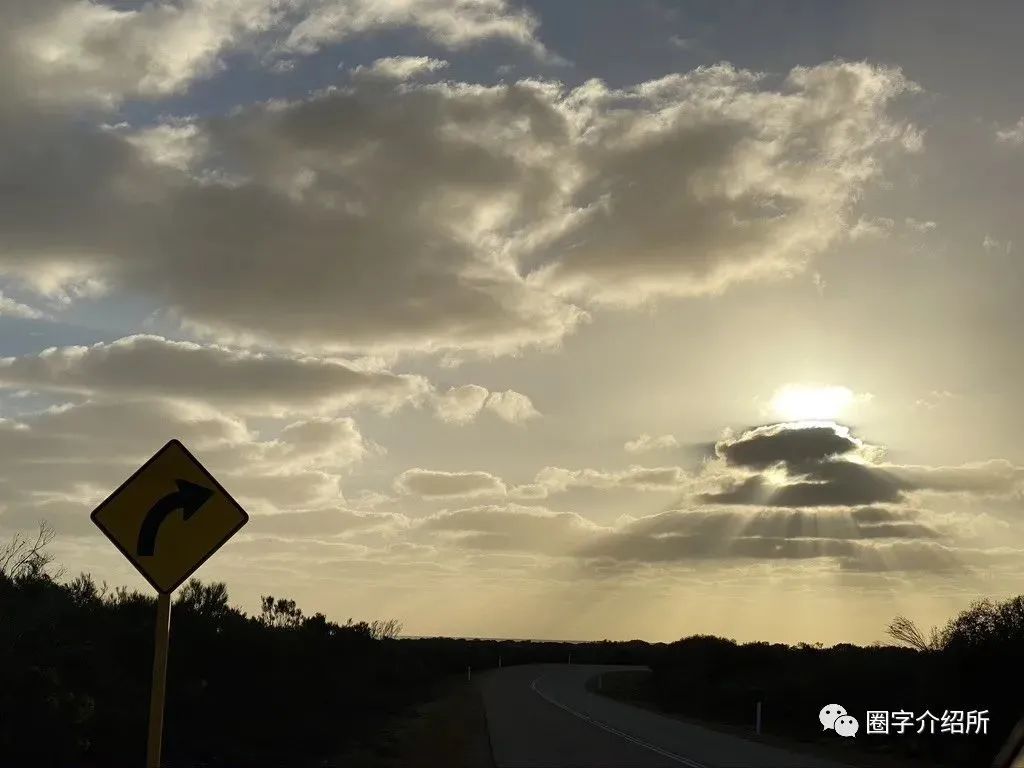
<point x="821" y="470"/>
<point x="840" y="482"/>
<point x="751" y="490"/>
<point x="764" y="446"/>
<point x="818" y="465"/>
<point x="832" y="483"/>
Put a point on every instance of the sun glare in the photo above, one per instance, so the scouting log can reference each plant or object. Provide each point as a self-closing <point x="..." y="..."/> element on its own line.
<point x="799" y="402"/>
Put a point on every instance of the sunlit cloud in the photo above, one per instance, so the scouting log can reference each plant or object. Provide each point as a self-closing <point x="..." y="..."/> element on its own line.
<point x="646" y="443"/>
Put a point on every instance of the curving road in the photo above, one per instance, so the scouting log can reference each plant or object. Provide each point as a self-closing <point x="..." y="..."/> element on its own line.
<point x="542" y="716"/>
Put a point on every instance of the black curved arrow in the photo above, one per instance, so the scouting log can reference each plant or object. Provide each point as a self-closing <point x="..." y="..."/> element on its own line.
<point x="188" y="498"/>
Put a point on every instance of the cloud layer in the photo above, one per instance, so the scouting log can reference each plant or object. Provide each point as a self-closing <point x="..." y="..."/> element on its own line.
<point x="73" y="51"/>
<point x="384" y="215"/>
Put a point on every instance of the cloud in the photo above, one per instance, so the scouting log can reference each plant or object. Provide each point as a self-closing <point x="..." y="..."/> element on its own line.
<point x="559" y="480"/>
<point x="240" y="381"/>
<point x="920" y="226"/>
<point x="323" y="442"/>
<point x="446" y="216"/>
<point x="646" y="443"/>
<point x="435" y="484"/>
<point x="821" y="465"/>
<point x="706" y="178"/>
<point x="796" y="496"/>
<point x="550" y="480"/>
<point x="79" y="453"/>
<point x="993" y="477"/>
<point x="935" y="398"/>
<point x="72" y="51"/>
<point x="11" y="308"/>
<point x="409" y="213"/>
<point x="1014" y="135"/>
<point x="872" y="540"/>
<point x="683" y="43"/>
<point x="511" y="406"/>
<point x="856" y="541"/>
<point x="59" y="463"/>
<point x="175" y="144"/>
<point x="798" y="443"/>
<point x="450" y="23"/>
<point x="324" y="522"/>
<point x="990" y="244"/>
<point x="878" y="227"/>
<point x="510" y="527"/>
<point x="528" y="492"/>
<point x="460" y="405"/>
<point x="399" y="68"/>
<point x="85" y="52"/>
<point x="819" y="283"/>
<point x="244" y="382"/>
<point x="828" y="483"/>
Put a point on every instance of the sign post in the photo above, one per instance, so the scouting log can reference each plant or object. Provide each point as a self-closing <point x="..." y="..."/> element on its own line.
<point x="156" y="698"/>
<point x="141" y="520"/>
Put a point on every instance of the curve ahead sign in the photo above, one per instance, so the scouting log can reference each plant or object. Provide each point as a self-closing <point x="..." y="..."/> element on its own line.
<point x="169" y="517"/>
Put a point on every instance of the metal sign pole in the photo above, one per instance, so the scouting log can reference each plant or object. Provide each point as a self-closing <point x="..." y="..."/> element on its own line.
<point x="156" y="702"/>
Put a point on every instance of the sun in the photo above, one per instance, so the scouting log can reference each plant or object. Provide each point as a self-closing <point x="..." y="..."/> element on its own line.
<point x="812" y="402"/>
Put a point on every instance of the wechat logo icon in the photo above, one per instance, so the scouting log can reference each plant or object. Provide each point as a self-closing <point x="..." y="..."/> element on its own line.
<point x="834" y="716"/>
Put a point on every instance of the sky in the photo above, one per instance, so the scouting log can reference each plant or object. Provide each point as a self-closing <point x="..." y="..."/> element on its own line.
<point x="564" y="320"/>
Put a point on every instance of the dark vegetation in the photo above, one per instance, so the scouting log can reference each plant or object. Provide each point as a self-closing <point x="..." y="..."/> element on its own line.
<point x="277" y="689"/>
<point x="976" y="662"/>
<point x="283" y="688"/>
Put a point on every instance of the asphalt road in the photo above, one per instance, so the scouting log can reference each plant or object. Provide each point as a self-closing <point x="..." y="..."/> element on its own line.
<point x="542" y="716"/>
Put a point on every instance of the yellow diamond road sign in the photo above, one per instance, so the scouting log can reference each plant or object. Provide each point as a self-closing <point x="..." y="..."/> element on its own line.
<point x="169" y="517"/>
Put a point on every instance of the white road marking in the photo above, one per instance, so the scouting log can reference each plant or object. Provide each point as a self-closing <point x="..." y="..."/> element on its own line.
<point x="633" y="739"/>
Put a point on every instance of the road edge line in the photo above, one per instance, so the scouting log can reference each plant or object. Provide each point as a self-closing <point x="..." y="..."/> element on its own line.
<point x="605" y="727"/>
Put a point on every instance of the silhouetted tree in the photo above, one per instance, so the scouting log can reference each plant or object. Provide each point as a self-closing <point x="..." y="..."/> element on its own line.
<point x="279" y="613"/>
<point x="903" y="630"/>
<point x="25" y="556"/>
<point x="208" y="600"/>
<point x="385" y="629"/>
